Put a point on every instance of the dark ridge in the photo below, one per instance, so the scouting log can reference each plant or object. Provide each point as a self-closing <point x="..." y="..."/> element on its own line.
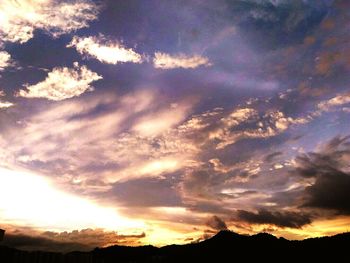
<point x="225" y="236"/>
<point x="225" y="246"/>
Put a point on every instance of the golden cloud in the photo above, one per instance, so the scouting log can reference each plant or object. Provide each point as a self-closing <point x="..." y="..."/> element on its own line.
<point x="167" y="61"/>
<point x="20" y="18"/>
<point x="62" y="83"/>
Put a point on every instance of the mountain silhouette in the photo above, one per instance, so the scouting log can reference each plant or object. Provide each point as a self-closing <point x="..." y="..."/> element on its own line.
<point x="225" y="246"/>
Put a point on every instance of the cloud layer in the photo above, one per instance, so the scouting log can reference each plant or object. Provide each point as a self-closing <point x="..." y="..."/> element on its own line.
<point x="77" y="240"/>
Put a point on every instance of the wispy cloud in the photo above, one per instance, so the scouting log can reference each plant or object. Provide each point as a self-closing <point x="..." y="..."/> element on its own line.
<point x="62" y="83"/>
<point x="118" y="135"/>
<point x="111" y="52"/>
<point x="19" y="19"/>
<point x="167" y="61"/>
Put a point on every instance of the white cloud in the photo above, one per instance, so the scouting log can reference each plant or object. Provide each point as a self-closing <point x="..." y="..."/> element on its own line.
<point x="5" y="60"/>
<point x="20" y="18"/>
<point x="105" y="51"/>
<point x="166" y="61"/>
<point x="5" y="104"/>
<point x="62" y="83"/>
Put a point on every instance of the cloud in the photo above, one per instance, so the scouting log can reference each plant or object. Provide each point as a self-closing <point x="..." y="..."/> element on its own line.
<point x="161" y="121"/>
<point x="167" y="61"/>
<point x="62" y="83"/>
<point x="145" y="192"/>
<point x="332" y="157"/>
<point x="5" y="60"/>
<point x="245" y="123"/>
<point x="281" y="219"/>
<point x="269" y="19"/>
<point x="95" y="237"/>
<point x="35" y="243"/>
<point x="330" y="171"/>
<point x="125" y="145"/>
<point x="4" y="104"/>
<point x="334" y="102"/>
<point x="103" y="128"/>
<point x="76" y="240"/>
<point x="219" y="166"/>
<point x="156" y="167"/>
<point x="19" y="19"/>
<point x="270" y="157"/>
<point x="216" y="223"/>
<point x="330" y="191"/>
<point x="105" y="51"/>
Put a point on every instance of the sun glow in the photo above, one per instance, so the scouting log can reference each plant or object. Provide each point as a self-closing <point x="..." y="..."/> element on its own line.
<point x="33" y="200"/>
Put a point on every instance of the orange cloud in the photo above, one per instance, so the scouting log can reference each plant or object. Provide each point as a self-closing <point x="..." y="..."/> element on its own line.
<point x="326" y="62"/>
<point x="309" y="40"/>
<point x="328" y="24"/>
<point x="330" y="41"/>
<point x="67" y="241"/>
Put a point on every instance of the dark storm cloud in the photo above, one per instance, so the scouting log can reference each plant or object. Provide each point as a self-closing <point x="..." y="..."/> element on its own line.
<point x="216" y="223"/>
<point x="281" y="219"/>
<point x="331" y="159"/>
<point x="330" y="191"/>
<point x="329" y="168"/>
<point x="278" y="23"/>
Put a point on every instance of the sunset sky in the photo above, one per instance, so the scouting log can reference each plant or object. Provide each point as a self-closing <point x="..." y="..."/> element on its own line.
<point x="160" y="122"/>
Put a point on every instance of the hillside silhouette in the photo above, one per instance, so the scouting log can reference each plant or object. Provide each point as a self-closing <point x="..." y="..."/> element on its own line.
<point x="225" y="246"/>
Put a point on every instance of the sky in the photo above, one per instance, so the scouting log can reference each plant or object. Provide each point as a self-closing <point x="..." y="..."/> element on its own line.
<point x="160" y="122"/>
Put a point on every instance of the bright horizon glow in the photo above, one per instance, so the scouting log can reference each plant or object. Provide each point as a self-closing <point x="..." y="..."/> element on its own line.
<point x="33" y="201"/>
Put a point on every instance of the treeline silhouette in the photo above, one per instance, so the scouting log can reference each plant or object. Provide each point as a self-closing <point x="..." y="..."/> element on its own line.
<point x="226" y="246"/>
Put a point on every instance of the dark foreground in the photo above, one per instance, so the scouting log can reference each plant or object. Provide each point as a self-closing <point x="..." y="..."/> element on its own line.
<point x="226" y="246"/>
